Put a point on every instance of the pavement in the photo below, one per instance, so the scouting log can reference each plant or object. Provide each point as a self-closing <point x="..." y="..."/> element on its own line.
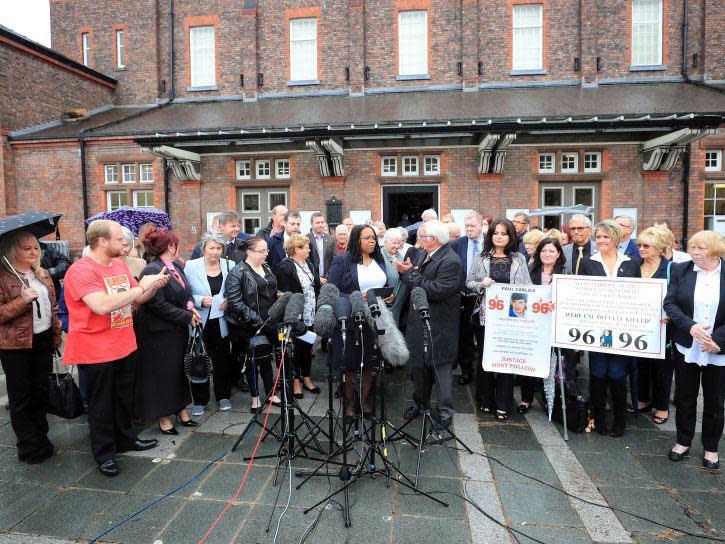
<point x="523" y="483"/>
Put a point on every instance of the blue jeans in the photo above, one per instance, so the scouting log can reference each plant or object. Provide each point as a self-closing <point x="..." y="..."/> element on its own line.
<point x="604" y="365"/>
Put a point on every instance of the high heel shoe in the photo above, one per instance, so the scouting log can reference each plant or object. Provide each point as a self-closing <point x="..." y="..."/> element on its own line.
<point x="171" y="431"/>
<point x="314" y="389"/>
<point x="188" y="423"/>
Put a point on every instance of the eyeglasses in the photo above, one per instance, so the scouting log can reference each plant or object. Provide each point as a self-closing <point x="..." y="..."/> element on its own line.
<point x="577" y="229"/>
<point x="259" y="250"/>
<point x="644" y="246"/>
<point x="426" y="236"/>
<point x="517" y="222"/>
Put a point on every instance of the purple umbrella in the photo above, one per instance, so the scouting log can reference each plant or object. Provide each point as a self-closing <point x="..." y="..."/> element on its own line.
<point x="132" y="218"/>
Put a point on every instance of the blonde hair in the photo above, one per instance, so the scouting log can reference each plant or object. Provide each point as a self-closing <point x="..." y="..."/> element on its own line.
<point x="555" y="233"/>
<point x="101" y="228"/>
<point x="612" y="230"/>
<point x="296" y="241"/>
<point x="710" y="240"/>
<point x="667" y="235"/>
<point x="535" y="236"/>
<point x="9" y="245"/>
<point x="655" y="238"/>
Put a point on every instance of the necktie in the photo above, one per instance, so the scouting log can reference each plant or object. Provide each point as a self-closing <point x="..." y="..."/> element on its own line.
<point x="230" y="248"/>
<point x="473" y="256"/>
<point x="579" y="259"/>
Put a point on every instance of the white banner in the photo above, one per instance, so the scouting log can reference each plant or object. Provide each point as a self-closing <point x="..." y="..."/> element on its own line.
<point x="609" y="315"/>
<point x="518" y="323"/>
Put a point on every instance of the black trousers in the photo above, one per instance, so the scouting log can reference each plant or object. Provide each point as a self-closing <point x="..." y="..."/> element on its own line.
<point x="26" y="375"/>
<point x="219" y="349"/>
<point x="688" y="378"/>
<point x="494" y="390"/>
<point x="423" y="380"/>
<point x="529" y="385"/>
<point x="654" y="381"/>
<point x="302" y="359"/>
<point x="466" y="348"/>
<point x="260" y="360"/>
<point x="110" y="407"/>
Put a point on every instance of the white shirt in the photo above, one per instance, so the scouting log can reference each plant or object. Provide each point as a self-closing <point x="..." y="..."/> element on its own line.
<point x="320" y="245"/>
<point x="680" y="256"/>
<point x="705" y="303"/>
<point x="371" y="277"/>
<point x="621" y="257"/>
<point x="44" y="321"/>
<point x="471" y="252"/>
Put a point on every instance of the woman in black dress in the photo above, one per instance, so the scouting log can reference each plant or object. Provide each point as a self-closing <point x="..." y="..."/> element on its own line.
<point x="163" y="389"/>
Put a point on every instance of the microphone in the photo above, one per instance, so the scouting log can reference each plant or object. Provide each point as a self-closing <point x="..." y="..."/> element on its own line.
<point x="276" y="311"/>
<point x="419" y="300"/>
<point x="375" y="314"/>
<point x="358" y="307"/>
<point x="343" y="310"/>
<point x="293" y="314"/>
<point x="325" y="315"/>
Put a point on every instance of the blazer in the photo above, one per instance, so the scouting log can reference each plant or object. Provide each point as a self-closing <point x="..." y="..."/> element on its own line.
<point x="680" y="304"/>
<point x="627" y="269"/>
<point x="276" y="251"/>
<point x="166" y="310"/>
<point x="568" y="250"/>
<point x="481" y="266"/>
<point x="343" y="274"/>
<point x="288" y="280"/>
<point x="329" y="250"/>
<point x="195" y="271"/>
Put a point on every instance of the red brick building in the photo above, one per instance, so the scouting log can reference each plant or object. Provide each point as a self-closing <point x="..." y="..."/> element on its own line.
<point x="387" y="107"/>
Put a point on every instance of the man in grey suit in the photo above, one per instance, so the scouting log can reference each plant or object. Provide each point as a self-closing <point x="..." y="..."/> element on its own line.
<point x="322" y="245"/>
<point x="580" y="230"/>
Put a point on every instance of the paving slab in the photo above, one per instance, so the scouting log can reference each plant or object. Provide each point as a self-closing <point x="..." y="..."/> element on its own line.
<point x="705" y="508"/>
<point x="616" y="469"/>
<point x="194" y="519"/>
<point x="537" y="504"/>
<point x="534" y="464"/>
<point x="204" y="446"/>
<point x="415" y="530"/>
<point x="170" y="474"/>
<point x="133" y="470"/>
<point x="508" y="435"/>
<point x="10" y="468"/>
<point x="682" y="476"/>
<point x="62" y="469"/>
<point x="18" y="501"/>
<point x="223" y="481"/>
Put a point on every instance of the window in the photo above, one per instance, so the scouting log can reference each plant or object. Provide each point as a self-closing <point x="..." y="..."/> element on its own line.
<point x="646" y="32"/>
<point x="86" y="48"/>
<point x="715" y="206"/>
<point x="556" y="195"/>
<point x="251" y="225"/>
<point x="277" y="199"/>
<point x="552" y="197"/>
<point x="412" y="43"/>
<point x="713" y="161"/>
<point x="116" y="199"/>
<point x="281" y="169"/>
<point x="528" y="37"/>
<point x="569" y="163"/>
<point x="120" y="50"/>
<point x="432" y="165"/>
<point x="143" y="199"/>
<point x="250" y="202"/>
<point x="303" y="49"/>
<point x="244" y="170"/>
<point x="592" y="162"/>
<point x="584" y="196"/>
<point x="547" y="163"/>
<point x="389" y="166"/>
<point x="147" y="172"/>
<point x="129" y="173"/>
<point x="410" y="166"/>
<point x="203" y="65"/>
<point x="263" y="170"/>
<point x="111" y="173"/>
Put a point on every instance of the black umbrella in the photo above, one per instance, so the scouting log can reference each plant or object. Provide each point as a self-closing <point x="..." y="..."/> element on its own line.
<point x="38" y="223"/>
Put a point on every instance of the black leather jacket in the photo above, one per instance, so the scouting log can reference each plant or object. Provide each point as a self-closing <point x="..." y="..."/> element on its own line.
<point x="242" y="302"/>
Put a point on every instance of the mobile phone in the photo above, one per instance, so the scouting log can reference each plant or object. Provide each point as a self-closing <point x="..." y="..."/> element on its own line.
<point x="383" y="292"/>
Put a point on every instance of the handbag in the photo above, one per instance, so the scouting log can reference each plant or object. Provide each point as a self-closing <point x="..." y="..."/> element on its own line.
<point x="64" y="397"/>
<point x="197" y="363"/>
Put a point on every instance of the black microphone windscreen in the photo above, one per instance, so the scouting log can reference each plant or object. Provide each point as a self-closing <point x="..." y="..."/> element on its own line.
<point x="295" y="308"/>
<point x="372" y="301"/>
<point x="324" y="322"/>
<point x="343" y="309"/>
<point x="356" y="301"/>
<point x="328" y="295"/>
<point x="277" y="309"/>
<point x="418" y="299"/>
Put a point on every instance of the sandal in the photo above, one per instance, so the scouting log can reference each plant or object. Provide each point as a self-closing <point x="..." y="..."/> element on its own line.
<point x="501" y="416"/>
<point x="660" y="420"/>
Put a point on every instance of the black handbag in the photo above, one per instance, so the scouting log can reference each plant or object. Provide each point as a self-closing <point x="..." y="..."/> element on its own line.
<point x="64" y="397"/>
<point x="197" y="363"/>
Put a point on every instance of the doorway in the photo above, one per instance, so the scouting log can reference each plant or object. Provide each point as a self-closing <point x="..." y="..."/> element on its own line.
<point x="403" y="204"/>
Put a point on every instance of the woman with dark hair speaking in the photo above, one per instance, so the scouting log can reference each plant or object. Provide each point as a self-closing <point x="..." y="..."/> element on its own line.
<point x="603" y="367"/>
<point x="361" y="268"/>
<point x="548" y="259"/>
<point x="500" y="261"/>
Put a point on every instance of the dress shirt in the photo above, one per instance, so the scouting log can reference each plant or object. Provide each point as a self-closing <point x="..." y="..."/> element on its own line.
<point x="371" y="276"/>
<point x="623" y="245"/>
<point x="42" y="309"/>
<point x="319" y="246"/>
<point x="621" y="257"/>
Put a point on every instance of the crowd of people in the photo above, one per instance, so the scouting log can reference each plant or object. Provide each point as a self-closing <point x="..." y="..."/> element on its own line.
<point x="133" y="304"/>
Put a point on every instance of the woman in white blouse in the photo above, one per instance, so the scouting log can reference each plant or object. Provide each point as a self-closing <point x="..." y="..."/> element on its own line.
<point x="695" y="304"/>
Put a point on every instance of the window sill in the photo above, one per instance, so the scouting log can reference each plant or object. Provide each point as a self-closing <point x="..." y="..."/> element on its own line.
<point x="300" y="82"/>
<point x="412" y="77"/>
<point x="527" y="73"/>
<point x="648" y="68"/>
<point x="202" y="88"/>
<point x="119" y="68"/>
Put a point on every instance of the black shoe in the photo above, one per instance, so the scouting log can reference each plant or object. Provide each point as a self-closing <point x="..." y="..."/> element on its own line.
<point x="35" y="459"/>
<point x="412" y="412"/>
<point x="299" y="395"/>
<point x="464" y="379"/>
<point x="444" y="422"/>
<point x="712" y="465"/>
<point x="171" y="431"/>
<point x="143" y="445"/>
<point x="187" y="423"/>
<point x="523" y="408"/>
<point x="314" y="390"/>
<point x="677" y="457"/>
<point x="109" y="468"/>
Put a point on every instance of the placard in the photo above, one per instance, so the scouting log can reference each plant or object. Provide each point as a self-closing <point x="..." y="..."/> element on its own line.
<point x="518" y="322"/>
<point x="609" y="315"/>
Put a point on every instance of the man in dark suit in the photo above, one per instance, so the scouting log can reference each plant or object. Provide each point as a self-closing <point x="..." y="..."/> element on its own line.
<point x="231" y="228"/>
<point x="292" y="220"/>
<point x="438" y="272"/>
<point x="627" y="245"/>
<point x="322" y="246"/>
<point x="521" y="224"/>
<point x="467" y="247"/>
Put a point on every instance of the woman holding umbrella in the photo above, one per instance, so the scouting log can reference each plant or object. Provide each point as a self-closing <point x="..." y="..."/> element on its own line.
<point x="29" y="332"/>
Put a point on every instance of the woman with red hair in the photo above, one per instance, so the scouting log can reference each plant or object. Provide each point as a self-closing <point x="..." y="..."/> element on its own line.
<point x="163" y="390"/>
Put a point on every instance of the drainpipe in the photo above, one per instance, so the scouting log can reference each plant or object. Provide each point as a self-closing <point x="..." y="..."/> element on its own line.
<point x="171" y="50"/>
<point x="84" y="177"/>
<point x="686" y="196"/>
<point x="685" y="25"/>
<point x="167" y="189"/>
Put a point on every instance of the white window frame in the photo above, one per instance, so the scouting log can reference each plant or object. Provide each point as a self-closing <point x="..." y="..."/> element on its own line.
<point x="86" y="48"/>
<point x="594" y="169"/>
<point x="132" y="170"/>
<point x="111" y="169"/>
<point x="433" y="172"/>
<point x="303" y="49"/>
<point x="413" y="43"/>
<point x="200" y="52"/>
<point x="146" y="172"/>
<point x="717" y="156"/>
<point x="237" y="166"/>
<point x="109" y="195"/>
<point x="259" y="202"/>
<point x="257" y="218"/>
<point x="552" y="159"/>
<point x="575" y="169"/>
<point x="120" y="48"/>
<point x="591" y="188"/>
<point x="145" y="192"/>
<point x="269" y="198"/>
<point x="385" y="169"/>
<point x="644" y="30"/>
<point x="259" y="163"/>
<point x="551" y="188"/>
<point x="415" y="160"/>
<point x="277" y="164"/>
<point x="527" y="51"/>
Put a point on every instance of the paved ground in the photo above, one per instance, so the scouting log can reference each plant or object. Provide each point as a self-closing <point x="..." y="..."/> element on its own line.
<point x="65" y="499"/>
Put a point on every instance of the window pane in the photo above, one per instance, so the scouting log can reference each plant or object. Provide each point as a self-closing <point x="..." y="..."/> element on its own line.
<point x="546" y="163"/>
<point x="129" y="173"/>
<point x="251" y="225"/>
<point x="646" y="32"/>
<point x="282" y="169"/>
<point x="86" y="46"/>
<point x="116" y="199"/>
<point x="276" y="199"/>
<point x="263" y="169"/>
<point x="527" y="37"/>
<point x="147" y="173"/>
<point x="121" y="61"/>
<point x="553" y="196"/>
<point x="243" y="170"/>
<point x="303" y="49"/>
<point x="203" y="65"/>
<point x="250" y="203"/>
<point x="111" y="173"/>
<point x="389" y="166"/>
<point x="143" y="198"/>
<point x="432" y="165"/>
<point x="552" y="222"/>
<point x="584" y="195"/>
<point x="413" y="42"/>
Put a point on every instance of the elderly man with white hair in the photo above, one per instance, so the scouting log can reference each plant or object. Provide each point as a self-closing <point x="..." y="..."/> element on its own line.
<point x="582" y="246"/>
<point x="428" y="215"/>
<point x="437" y="271"/>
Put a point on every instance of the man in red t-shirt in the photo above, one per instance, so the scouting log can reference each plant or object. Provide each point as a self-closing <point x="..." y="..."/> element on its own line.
<point x="99" y="290"/>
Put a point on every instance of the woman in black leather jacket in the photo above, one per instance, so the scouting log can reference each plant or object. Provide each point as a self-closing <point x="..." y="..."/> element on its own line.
<point x="251" y="289"/>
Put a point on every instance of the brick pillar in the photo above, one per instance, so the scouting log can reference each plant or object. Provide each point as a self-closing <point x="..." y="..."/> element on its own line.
<point x="588" y="23"/>
<point x="356" y="33"/>
<point x="469" y="44"/>
<point x="250" y="66"/>
<point x="7" y="177"/>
